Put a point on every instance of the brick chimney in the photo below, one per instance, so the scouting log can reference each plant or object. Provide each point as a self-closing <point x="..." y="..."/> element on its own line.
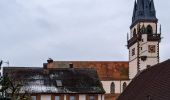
<point x="50" y="63"/>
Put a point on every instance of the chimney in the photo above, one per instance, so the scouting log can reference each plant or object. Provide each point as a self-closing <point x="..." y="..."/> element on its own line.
<point x="71" y="65"/>
<point x="50" y="60"/>
<point x="50" y="63"/>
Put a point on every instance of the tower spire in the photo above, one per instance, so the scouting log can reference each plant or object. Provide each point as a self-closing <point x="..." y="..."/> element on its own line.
<point x="134" y="11"/>
<point x="152" y="9"/>
<point x="144" y="10"/>
<point x="140" y="5"/>
<point x="152" y="6"/>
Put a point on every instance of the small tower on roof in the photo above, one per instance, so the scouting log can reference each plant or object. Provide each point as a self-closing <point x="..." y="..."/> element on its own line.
<point x="143" y="43"/>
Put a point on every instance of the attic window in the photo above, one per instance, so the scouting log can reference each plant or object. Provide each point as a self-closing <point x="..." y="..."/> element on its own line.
<point x="59" y="83"/>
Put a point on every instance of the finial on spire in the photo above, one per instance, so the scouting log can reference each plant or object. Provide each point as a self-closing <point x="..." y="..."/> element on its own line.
<point x="134" y="11"/>
<point x="127" y="36"/>
<point x="160" y="29"/>
<point x="152" y="5"/>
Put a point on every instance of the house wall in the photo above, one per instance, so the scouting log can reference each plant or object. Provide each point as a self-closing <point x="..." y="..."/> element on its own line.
<point x="101" y="97"/>
<point x="118" y="85"/>
<point x="66" y="97"/>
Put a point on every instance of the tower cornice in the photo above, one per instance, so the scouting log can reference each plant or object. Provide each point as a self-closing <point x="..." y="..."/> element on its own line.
<point x="143" y="20"/>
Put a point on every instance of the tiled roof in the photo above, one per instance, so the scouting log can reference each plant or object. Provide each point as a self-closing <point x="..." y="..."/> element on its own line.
<point x="151" y="84"/>
<point x="107" y="70"/>
<point x="68" y="80"/>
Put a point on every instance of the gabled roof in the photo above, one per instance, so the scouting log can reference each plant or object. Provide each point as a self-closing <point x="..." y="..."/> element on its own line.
<point x="107" y="70"/>
<point x="151" y="84"/>
<point x="67" y="80"/>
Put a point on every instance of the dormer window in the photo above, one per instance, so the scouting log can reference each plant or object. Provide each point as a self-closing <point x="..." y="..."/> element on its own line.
<point x="59" y="83"/>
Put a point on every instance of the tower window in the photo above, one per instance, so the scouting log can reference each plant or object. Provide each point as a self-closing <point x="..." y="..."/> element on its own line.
<point x="134" y="33"/>
<point x="112" y="87"/>
<point x="133" y="51"/>
<point x="149" y="29"/>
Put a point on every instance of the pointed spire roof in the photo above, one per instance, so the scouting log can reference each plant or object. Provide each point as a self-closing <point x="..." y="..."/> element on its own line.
<point x="140" y="4"/>
<point x="152" y="6"/>
<point x="134" y="10"/>
<point x="144" y="10"/>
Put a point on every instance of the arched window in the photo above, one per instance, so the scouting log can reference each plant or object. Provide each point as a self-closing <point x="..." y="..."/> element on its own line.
<point x="112" y="87"/>
<point x="134" y="33"/>
<point x="149" y="29"/>
<point x="124" y="86"/>
<point x="143" y="30"/>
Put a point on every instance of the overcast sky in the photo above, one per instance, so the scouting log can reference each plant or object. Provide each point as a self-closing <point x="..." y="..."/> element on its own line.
<point x="34" y="30"/>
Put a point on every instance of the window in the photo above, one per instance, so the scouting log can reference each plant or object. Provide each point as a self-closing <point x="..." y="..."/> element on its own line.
<point x="91" y="97"/>
<point x="133" y="51"/>
<point x="151" y="48"/>
<point x="112" y="87"/>
<point x="33" y="98"/>
<point x="149" y="29"/>
<point x="57" y="97"/>
<point x="134" y="33"/>
<point x="124" y="86"/>
<point x="59" y="83"/>
<point x="72" y="97"/>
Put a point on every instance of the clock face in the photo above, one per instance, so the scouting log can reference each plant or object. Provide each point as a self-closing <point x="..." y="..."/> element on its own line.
<point x="151" y="48"/>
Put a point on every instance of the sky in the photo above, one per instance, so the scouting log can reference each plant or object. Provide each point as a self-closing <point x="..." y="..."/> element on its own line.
<point x="95" y="30"/>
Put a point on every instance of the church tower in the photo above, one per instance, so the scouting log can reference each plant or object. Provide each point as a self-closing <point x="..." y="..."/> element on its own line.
<point x="144" y="39"/>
